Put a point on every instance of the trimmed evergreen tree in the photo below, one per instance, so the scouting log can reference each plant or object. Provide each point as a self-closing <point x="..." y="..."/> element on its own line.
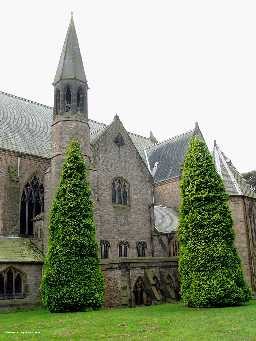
<point x="210" y="268"/>
<point x="72" y="278"/>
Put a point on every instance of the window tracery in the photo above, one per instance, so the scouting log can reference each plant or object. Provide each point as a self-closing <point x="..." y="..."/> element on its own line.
<point x="141" y="248"/>
<point x="11" y="284"/>
<point x="104" y="248"/>
<point x="120" y="191"/>
<point x="123" y="249"/>
<point x="32" y="204"/>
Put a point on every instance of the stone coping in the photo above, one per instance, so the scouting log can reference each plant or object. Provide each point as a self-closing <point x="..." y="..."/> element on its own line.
<point x="142" y="262"/>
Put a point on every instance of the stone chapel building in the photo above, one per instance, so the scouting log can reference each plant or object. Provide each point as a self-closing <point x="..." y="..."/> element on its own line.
<point x="135" y="189"/>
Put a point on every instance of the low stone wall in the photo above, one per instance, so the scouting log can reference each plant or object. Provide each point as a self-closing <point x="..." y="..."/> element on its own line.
<point x="158" y="276"/>
<point x="31" y="278"/>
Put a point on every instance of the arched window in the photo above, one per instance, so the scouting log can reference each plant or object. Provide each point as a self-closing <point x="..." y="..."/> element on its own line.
<point x="138" y="291"/>
<point x="80" y="100"/>
<point x="68" y="99"/>
<point x="18" y="284"/>
<point x="141" y="247"/>
<point x="32" y="204"/>
<point x="1" y="285"/>
<point x="120" y="191"/>
<point x="11" y="284"/>
<point x="104" y="248"/>
<point x="123" y="249"/>
<point x="57" y="101"/>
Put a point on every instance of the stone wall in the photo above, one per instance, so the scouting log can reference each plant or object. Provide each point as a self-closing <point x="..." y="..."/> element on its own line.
<point x="121" y="276"/>
<point x="247" y="249"/>
<point x="15" y="170"/>
<point x="31" y="281"/>
<point x="236" y="204"/>
<point x="167" y="193"/>
<point x="116" y="223"/>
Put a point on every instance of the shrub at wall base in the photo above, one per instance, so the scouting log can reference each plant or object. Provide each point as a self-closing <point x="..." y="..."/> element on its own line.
<point x="210" y="268"/>
<point x="72" y="279"/>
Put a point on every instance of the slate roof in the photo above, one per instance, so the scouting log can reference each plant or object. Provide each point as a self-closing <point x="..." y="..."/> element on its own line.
<point x="26" y="127"/>
<point x="70" y="63"/>
<point x="16" y="249"/>
<point x="166" y="219"/>
<point x="165" y="159"/>
<point x="234" y="183"/>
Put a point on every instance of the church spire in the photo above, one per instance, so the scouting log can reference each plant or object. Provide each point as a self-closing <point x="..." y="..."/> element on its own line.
<point x="70" y="63"/>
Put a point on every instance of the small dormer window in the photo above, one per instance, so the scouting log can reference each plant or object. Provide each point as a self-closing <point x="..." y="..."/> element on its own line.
<point x="119" y="140"/>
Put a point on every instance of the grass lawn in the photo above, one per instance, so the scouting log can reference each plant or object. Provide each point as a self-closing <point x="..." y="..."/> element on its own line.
<point x="160" y="322"/>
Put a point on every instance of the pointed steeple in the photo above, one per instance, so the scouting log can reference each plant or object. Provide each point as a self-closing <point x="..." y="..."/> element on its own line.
<point x="70" y="64"/>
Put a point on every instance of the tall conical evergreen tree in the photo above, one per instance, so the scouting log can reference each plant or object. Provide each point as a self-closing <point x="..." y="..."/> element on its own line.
<point x="210" y="268"/>
<point x="72" y="279"/>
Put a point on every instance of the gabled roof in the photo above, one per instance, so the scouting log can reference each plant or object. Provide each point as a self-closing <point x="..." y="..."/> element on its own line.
<point x="165" y="159"/>
<point x="16" y="249"/>
<point x="70" y="64"/>
<point x="26" y="127"/>
<point x="234" y="183"/>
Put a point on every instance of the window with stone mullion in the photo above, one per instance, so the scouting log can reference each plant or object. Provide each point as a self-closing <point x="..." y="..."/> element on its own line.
<point x="11" y="284"/>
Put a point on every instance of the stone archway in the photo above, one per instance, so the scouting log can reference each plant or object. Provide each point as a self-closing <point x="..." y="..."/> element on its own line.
<point x="139" y="291"/>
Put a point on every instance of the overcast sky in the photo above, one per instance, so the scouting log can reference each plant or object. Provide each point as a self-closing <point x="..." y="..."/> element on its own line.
<point x="160" y="65"/>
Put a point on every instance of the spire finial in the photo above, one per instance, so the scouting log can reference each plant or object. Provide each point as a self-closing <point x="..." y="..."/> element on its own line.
<point x="70" y="63"/>
<point x="72" y="14"/>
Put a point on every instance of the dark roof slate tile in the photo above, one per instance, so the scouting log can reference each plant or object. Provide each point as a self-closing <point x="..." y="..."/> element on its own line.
<point x="165" y="159"/>
<point x="26" y="127"/>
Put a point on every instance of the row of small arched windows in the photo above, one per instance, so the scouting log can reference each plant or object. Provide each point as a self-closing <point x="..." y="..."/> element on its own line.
<point x="123" y="248"/>
<point x="11" y="284"/>
<point x="79" y="100"/>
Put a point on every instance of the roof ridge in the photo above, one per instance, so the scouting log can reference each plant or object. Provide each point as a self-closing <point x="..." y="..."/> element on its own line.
<point x="171" y="138"/>
<point x="97" y="122"/>
<point x="25" y="99"/>
<point x="144" y="137"/>
<point x="235" y="173"/>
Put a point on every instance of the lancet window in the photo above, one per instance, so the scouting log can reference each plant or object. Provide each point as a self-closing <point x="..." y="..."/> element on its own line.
<point x="123" y="249"/>
<point x="32" y="204"/>
<point x="80" y="100"/>
<point x="57" y="101"/>
<point x="120" y="191"/>
<point x="104" y="248"/>
<point x="11" y="284"/>
<point x="141" y="248"/>
<point x="68" y="99"/>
